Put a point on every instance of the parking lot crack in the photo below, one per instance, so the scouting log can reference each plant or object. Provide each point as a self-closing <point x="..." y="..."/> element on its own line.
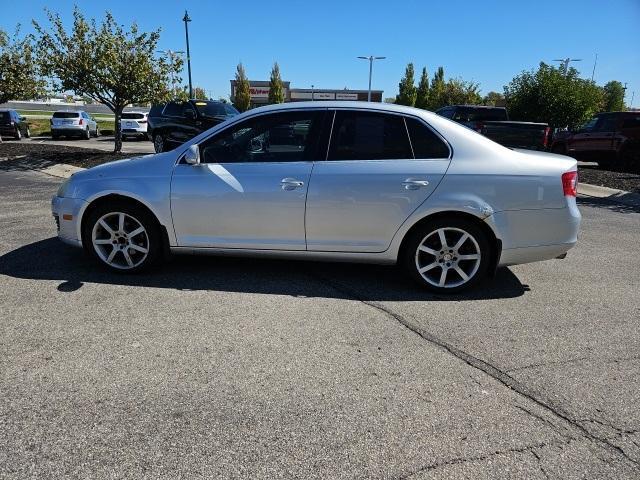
<point x="486" y="367"/>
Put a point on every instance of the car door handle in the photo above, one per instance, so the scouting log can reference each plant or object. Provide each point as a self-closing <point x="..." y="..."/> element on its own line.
<point x="414" y="184"/>
<point x="291" y="183"/>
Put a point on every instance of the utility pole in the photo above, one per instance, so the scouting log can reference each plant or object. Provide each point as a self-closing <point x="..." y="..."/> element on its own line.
<point x="594" y="67"/>
<point x="371" y="58"/>
<point x="312" y="93"/>
<point x="186" y="21"/>
<point x="565" y="63"/>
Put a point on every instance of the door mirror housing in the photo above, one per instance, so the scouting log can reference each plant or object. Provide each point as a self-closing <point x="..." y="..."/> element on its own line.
<point x="192" y="155"/>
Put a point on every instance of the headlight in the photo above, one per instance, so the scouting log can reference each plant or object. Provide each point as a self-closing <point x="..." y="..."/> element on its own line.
<point x="62" y="189"/>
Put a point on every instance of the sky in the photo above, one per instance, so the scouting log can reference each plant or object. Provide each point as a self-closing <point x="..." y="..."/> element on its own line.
<point x="316" y="43"/>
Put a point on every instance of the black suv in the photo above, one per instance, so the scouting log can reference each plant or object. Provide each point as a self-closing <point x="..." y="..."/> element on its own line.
<point x="13" y="125"/>
<point x="176" y="122"/>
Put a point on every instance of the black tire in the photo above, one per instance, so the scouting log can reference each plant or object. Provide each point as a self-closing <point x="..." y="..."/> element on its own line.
<point x="454" y="229"/>
<point x="630" y="159"/>
<point x="18" y="134"/>
<point x="54" y="136"/>
<point x="152" y="241"/>
<point x="97" y="131"/>
<point x="159" y="143"/>
<point x="27" y="133"/>
<point x="87" y="134"/>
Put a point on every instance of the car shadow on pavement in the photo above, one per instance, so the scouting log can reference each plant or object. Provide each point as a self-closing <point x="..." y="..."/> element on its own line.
<point x="608" y="204"/>
<point x="51" y="260"/>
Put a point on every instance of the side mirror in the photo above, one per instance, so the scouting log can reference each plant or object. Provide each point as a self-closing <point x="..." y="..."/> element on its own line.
<point x="192" y="155"/>
<point x="189" y="114"/>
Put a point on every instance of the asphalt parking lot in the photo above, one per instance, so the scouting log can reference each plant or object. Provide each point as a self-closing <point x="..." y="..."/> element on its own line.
<point x="221" y="367"/>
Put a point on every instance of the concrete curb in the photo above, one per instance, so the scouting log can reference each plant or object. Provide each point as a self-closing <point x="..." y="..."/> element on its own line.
<point x="611" y="194"/>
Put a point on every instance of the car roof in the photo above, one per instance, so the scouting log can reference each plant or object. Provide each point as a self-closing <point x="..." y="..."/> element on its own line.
<point x="339" y="104"/>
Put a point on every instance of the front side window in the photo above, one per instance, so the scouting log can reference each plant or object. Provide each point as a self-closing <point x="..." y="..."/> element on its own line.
<point x="426" y="144"/>
<point x="174" y="109"/>
<point x="280" y="137"/>
<point x="607" y="123"/>
<point x="369" y="136"/>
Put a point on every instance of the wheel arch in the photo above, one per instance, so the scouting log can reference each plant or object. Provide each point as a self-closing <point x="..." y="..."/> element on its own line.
<point x="494" y="241"/>
<point x="112" y="197"/>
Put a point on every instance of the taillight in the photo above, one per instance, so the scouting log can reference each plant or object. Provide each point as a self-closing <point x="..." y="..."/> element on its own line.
<point x="570" y="183"/>
<point x="545" y="139"/>
<point x="80" y="122"/>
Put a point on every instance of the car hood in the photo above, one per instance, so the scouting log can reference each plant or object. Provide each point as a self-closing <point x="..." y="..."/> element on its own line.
<point x="147" y="165"/>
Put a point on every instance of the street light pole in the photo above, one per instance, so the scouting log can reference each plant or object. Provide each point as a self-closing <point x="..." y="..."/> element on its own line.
<point x="186" y="21"/>
<point x="371" y="58"/>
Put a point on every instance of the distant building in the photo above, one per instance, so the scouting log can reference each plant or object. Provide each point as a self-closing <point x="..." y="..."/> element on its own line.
<point x="259" y="91"/>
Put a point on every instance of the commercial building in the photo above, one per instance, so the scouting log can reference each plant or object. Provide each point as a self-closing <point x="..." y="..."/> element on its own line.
<point x="259" y="91"/>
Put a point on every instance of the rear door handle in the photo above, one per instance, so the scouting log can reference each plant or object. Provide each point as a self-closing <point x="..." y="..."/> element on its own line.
<point x="291" y="183"/>
<point x="414" y="183"/>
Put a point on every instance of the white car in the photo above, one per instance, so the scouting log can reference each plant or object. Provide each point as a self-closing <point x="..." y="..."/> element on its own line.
<point x="73" y="124"/>
<point x="338" y="181"/>
<point x="134" y="124"/>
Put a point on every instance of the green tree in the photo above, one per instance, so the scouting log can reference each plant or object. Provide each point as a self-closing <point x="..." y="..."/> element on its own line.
<point x="199" y="93"/>
<point x="105" y="62"/>
<point x="460" y="92"/>
<point x="276" y="88"/>
<point x="613" y="97"/>
<point x="242" y="95"/>
<point x="407" y="89"/>
<point x="19" y="79"/>
<point x="422" y="96"/>
<point x="551" y="95"/>
<point x="436" y="92"/>
<point x="493" y="99"/>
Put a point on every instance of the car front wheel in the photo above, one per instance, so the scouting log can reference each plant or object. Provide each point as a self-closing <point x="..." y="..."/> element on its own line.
<point x="18" y="134"/>
<point x="158" y="143"/>
<point x="123" y="237"/>
<point x="447" y="255"/>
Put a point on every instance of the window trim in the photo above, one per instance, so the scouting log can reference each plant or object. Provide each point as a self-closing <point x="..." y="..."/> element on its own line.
<point x="404" y="117"/>
<point x="322" y="111"/>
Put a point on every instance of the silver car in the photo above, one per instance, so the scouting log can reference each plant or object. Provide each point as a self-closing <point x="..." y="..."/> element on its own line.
<point x="347" y="181"/>
<point x="73" y="124"/>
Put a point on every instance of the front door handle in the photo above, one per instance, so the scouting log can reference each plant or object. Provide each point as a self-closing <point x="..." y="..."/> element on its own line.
<point x="414" y="183"/>
<point x="291" y="183"/>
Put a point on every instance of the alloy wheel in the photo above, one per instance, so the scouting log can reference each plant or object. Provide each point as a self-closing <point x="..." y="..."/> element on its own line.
<point x="158" y="143"/>
<point x="120" y="240"/>
<point x="448" y="257"/>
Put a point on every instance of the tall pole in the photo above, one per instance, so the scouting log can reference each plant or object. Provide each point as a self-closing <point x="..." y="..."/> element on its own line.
<point x="370" y="73"/>
<point x="371" y="58"/>
<point x="186" y="21"/>
<point x="594" y="67"/>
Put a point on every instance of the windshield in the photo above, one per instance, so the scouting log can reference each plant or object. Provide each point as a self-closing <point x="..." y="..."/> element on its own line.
<point x="215" y="109"/>
<point x="65" y="115"/>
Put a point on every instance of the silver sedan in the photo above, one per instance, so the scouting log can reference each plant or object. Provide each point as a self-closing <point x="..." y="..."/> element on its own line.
<point x="346" y="181"/>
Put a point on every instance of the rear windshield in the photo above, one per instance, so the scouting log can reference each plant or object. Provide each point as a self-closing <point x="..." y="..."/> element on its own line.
<point x="214" y="109"/>
<point x="65" y="115"/>
<point x="481" y="114"/>
<point x="132" y="116"/>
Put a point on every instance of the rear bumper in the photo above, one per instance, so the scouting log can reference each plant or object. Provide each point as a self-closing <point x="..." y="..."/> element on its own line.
<point x="66" y="212"/>
<point x="69" y="130"/>
<point x="534" y="235"/>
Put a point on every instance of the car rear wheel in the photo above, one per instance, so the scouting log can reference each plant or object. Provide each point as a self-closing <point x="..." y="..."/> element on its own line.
<point x="18" y="134"/>
<point x="87" y="134"/>
<point x="27" y="133"/>
<point x="447" y="255"/>
<point x="125" y="238"/>
<point x="97" y="131"/>
<point x="158" y="143"/>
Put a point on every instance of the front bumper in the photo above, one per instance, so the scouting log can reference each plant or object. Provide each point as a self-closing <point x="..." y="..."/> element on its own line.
<point x="67" y="212"/>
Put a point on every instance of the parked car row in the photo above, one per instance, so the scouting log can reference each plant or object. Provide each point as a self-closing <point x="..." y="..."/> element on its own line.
<point x="13" y="125"/>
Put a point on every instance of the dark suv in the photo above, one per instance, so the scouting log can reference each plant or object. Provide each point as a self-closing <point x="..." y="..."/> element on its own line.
<point x="174" y="123"/>
<point x="13" y="125"/>
<point x="612" y="139"/>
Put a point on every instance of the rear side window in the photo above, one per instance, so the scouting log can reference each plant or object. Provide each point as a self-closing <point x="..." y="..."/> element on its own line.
<point x="633" y="122"/>
<point x="174" y="109"/>
<point x="132" y="116"/>
<point x="607" y="123"/>
<point x="426" y="144"/>
<point x="368" y="136"/>
<point x="65" y="114"/>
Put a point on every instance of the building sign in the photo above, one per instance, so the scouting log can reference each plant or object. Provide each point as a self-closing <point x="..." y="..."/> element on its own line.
<point x="346" y="96"/>
<point x="259" y="92"/>
<point x="324" y="96"/>
<point x="314" y="96"/>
